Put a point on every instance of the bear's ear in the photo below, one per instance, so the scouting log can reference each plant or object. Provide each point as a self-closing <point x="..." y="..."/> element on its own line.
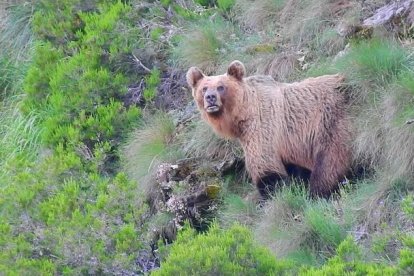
<point x="236" y="69"/>
<point x="194" y="75"/>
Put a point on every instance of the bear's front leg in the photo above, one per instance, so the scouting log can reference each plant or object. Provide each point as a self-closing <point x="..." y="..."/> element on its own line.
<point x="267" y="183"/>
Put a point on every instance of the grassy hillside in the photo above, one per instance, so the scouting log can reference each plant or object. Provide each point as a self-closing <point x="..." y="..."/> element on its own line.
<point x="106" y="167"/>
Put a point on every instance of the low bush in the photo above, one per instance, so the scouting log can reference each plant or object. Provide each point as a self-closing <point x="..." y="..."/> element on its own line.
<point x="224" y="252"/>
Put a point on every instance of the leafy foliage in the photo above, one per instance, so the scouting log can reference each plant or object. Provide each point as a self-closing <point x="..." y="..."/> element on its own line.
<point x="233" y="251"/>
<point x="225" y="5"/>
<point x="152" y="82"/>
<point x="220" y="252"/>
<point x="68" y="196"/>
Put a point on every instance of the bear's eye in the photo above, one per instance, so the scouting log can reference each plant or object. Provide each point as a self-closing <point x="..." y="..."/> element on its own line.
<point x="220" y="88"/>
<point x="204" y="89"/>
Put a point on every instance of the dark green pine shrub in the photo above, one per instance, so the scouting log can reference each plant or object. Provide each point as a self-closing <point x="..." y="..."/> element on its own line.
<point x="67" y="212"/>
<point x="225" y="5"/>
<point x="221" y="252"/>
<point x="233" y="252"/>
<point x="73" y="85"/>
<point x="349" y="261"/>
<point x="151" y="81"/>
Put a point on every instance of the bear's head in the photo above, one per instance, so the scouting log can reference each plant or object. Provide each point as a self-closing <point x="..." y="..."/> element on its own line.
<point x="219" y="98"/>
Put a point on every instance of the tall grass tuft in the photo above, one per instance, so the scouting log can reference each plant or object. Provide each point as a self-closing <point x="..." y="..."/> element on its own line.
<point x="374" y="63"/>
<point x="206" y="44"/>
<point x="323" y="225"/>
<point x="18" y="133"/>
<point x="238" y="209"/>
<point x="16" y="42"/>
<point x="259" y="13"/>
<point x="281" y="227"/>
<point x="200" y="141"/>
<point x="16" y="35"/>
<point x="381" y="73"/>
<point x="147" y="146"/>
<point x="293" y="225"/>
<point x="19" y="137"/>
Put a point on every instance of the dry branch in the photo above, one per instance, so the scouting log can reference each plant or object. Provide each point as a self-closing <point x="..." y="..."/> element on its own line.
<point x="142" y="65"/>
<point x="409" y="122"/>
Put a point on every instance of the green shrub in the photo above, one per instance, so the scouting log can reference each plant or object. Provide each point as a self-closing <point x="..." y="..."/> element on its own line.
<point x="36" y="84"/>
<point x="74" y="102"/>
<point x="225" y="5"/>
<point x="57" y="20"/>
<point x="224" y="252"/>
<point x="126" y="239"/>
<point x="206" y="3"/>
<point x="156" y="33"/>
<point x="151" y="83"/>
<point x="80" y="95"/>
<point x="33" y="266"/>
<point x="406" y="261"/>
<point x="349" y="261"/>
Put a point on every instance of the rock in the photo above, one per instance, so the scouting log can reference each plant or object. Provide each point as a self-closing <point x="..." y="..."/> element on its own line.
<point x="147" y="261"/>
<point x="187" y="191"/>
<point x="388" y="12"/>
<point x="392" y="14"/>
<point x="352" y="31"/>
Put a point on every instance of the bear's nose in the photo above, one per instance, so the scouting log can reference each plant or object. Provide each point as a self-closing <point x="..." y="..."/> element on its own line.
<point x="210" y="98"/>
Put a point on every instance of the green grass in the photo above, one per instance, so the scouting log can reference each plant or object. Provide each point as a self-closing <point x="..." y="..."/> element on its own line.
<point x="225" y="5"/>
<point x="375" y="62"/>
<point x="323" y="225"/>
<point x="281" y="226"/>
<point x="19" y="140"/>
<point x="237" y="209"/>
<point x="205" y="44"/>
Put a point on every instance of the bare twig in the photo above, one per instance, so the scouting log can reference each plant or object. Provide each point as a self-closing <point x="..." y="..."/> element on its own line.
<point x="409" y="122"/>
<point x="142" y="65"/>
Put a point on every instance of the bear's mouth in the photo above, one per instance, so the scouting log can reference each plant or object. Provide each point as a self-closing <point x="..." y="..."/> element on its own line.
<point x="212" y="108"/>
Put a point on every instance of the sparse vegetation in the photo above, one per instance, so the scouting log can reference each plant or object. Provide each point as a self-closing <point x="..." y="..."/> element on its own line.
<point x="82" y="140"/>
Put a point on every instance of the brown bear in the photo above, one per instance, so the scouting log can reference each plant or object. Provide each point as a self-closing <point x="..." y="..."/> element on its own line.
<point x="279" y="125"/>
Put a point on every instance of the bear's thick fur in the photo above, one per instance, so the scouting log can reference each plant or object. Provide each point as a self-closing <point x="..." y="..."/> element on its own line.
<point x="303" y="124"/>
